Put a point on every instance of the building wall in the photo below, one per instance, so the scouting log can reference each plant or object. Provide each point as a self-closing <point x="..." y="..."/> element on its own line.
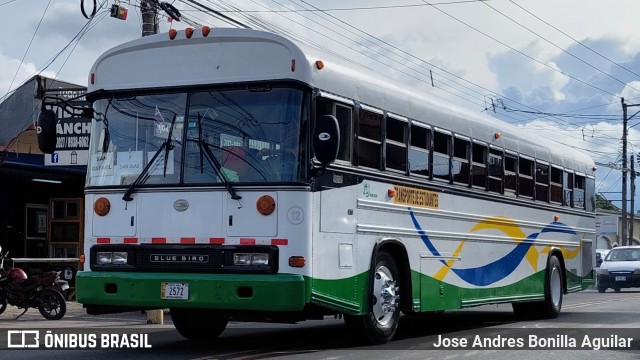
<point x="21" y="162"/>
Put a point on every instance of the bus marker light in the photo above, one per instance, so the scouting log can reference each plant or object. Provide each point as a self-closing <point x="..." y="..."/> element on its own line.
<point x="247" y="241"/>
<point x="293" y="65"/>
<point x="392" y="193"/>
<point x="188" y="32"/>
<point x="216" y="241"/>
<point x="187" y="240"/>
<point x="556" y="218"/>
<point x="205" y="31"/>
<point x="497" y="135"/>
<point x="265" y="205"/>
<point x="82" y="259"/>
<point x="158" y="240"/>
<point x="102" y="206"/>
<point x="279" y="242"/>
<point x="172" y="33"/>
<point x="297" y="261"/>
<point x="130" y="240"/>
<point x="93" y="78"/>
<point x="319" y="64"/>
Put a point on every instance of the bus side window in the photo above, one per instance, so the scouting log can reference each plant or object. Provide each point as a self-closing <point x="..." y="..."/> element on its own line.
<point x="578" y="192"/>
<point x="344" y="114"/>
<point x="510" y="174"/>
<point x="369" y="139"/>
<point x="556" y="185"/>
<point x="461" y="171"/>
<point x="419" y="151"/>
<point x="525" y="178"/>
<point x="590" y="195"/>
<point x="542" y="182"/>
<point x="567" y="182"/>
<point x="441" y="156"/>
<point x="495" y="170"/>
<point x="396" y="144"/>
<point x="479" y="170"/>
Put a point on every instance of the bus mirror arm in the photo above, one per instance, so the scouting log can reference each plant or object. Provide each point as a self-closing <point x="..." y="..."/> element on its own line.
<point x="326" y="139"/>
<point x="318" y="171"/>
<point x="47" y="120"/>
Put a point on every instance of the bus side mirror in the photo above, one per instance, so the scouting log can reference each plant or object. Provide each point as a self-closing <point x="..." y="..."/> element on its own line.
<point x="46" y="130"/>
<point x="326" y="139"/>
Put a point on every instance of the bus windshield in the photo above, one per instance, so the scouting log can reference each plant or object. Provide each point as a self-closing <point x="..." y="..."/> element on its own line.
<point x="203" y="137"/>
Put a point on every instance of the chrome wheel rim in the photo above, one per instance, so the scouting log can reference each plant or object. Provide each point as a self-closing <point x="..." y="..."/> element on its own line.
<point x="555" y="286"/>
<point x="385" y="296"/>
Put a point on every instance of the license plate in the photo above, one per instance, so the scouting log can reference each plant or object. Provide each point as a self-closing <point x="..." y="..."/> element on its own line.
<point x="621" y="278"/>
<point x="174" y="291"/>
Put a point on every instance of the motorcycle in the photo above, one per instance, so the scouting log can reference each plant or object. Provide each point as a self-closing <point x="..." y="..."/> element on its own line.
<point x="42" y="291"/>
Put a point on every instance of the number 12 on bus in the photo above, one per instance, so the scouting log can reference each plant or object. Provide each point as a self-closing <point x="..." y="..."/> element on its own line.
<point x="262" y="179"/>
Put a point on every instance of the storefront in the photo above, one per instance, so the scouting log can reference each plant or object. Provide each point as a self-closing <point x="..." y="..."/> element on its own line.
<point x="41" y="196"/>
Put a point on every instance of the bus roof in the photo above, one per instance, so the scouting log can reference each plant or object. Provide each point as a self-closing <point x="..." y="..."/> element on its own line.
<point x="242" y="55"/>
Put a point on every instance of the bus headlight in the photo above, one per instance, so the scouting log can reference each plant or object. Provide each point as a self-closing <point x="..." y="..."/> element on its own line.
<point x="259" y="259"/>
<point x="111" y="258"/>
<point x="248" y="259"/>
<point x="119" y="258"/>
<point x="241" y="259"/>
<point x="103" y="258"/>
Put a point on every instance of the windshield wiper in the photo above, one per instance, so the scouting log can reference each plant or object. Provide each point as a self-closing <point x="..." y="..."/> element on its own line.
<point x="166" y="146"/>
<point x="215" y="164"/>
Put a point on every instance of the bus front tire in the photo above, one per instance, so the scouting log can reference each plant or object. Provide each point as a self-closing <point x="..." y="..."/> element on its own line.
<point x="380" y="322"/>
<point x="198" y="324"/>
<point x="550" y="307"/>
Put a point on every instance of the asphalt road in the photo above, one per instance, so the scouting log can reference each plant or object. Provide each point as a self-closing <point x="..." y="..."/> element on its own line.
<point x="600" y="317"/>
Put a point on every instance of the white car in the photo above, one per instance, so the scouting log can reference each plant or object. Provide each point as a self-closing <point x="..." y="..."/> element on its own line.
<point x="620" y="269"/>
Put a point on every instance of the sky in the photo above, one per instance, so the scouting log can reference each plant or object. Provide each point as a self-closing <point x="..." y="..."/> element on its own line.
<point x="557" y="68"/>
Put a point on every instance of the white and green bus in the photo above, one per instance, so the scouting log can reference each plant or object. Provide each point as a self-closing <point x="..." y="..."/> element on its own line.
<point x="235" y="175"/>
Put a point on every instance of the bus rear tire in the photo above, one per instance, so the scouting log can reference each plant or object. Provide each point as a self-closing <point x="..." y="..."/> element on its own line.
<point x="198" y="324"/>
<point x="551" y="306"/>
<point x="380" y="322"/>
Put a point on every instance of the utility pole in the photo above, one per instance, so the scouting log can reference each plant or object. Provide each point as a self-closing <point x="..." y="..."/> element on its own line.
<point x="623" y="236"/>
<point x="149" y="17"/>
<point x="633" y="195"/>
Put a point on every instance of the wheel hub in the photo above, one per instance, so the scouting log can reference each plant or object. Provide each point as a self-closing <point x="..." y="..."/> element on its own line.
<point x="385" y="296"/>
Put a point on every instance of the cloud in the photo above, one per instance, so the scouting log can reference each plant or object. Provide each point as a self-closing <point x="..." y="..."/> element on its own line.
<point x="15" y="73"/>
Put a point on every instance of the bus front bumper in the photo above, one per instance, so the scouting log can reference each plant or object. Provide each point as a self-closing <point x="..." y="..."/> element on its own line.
<point x="216" y="291"/>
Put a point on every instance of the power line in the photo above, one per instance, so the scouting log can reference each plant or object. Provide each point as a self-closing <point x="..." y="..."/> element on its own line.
<point x="575" y="40"/>
<point x="558" y="47"/>
<point x="26" y="51"/>
<point x="522" y="53"/>
<point x="354" y="8"/>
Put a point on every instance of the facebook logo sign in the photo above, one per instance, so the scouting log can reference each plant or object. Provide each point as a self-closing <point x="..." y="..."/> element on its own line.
<point x="54" y="158"/>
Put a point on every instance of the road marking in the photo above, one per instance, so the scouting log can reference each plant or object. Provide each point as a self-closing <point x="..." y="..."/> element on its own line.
<point x="590" y="303"/>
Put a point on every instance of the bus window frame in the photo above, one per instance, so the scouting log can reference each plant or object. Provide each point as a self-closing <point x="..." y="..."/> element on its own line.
<point x="426" y="150"/>
<point x="400" y="144"/>
<point x="463" y="161"/>
<point x="449" y="155"/>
